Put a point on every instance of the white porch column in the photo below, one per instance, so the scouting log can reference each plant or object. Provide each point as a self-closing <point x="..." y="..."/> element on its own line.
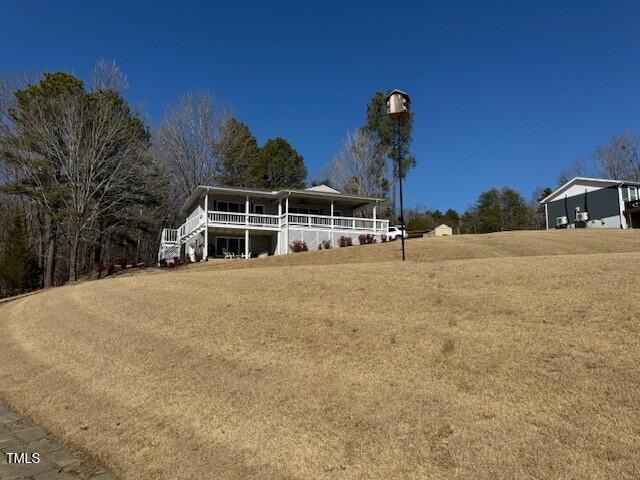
<point x="546" y="216"/>
<point x="246" y="210"/>
<point x="205" y="250"/>
<point x="286" y="232"/>
<point x="246" y="243"/>
<point x="623" y="219"/>
<point x="375" y="206"/>
<point x="280" y="224"/>
<point x="332" y="213"/>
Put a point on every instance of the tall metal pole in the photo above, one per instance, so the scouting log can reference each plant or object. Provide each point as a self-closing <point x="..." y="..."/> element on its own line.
<point x="398" y="109"/>
<point x="399" y="153"/>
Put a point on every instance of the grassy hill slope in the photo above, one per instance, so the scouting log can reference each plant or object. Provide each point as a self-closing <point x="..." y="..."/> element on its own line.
<point x="461" y="247"/>
<point x="497" y="356"/>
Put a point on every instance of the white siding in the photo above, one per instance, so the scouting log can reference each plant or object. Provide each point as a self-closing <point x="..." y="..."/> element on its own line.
<point x="579" y="189"/>
<point x="607" y="222"/>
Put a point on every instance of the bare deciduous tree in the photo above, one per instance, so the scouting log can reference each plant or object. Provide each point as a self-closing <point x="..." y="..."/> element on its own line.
<point x="620" y="159"/>
<point x="187" y="142"/>
<point x="78" y="164"/>
<point x="578" y="168"/>
<point x="108" y="76"/>
<point x="76" y="152"/>
<point x="359" y="166"/>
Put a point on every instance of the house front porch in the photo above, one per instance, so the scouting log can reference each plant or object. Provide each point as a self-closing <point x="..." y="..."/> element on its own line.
<point x="238" y="242"/>
<point x="246" y="221"/>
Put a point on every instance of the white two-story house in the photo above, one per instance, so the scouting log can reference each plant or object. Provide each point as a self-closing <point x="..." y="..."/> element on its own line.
<point x="247" y="222"/>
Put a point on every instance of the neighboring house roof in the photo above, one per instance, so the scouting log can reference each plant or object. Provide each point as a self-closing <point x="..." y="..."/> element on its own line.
<point x="587" y="181"/>
<point x="325" y="193"/>
<point x="443" y="225"/>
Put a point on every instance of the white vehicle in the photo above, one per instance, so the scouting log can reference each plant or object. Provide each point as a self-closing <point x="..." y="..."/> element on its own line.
<point x="395" y="232"/>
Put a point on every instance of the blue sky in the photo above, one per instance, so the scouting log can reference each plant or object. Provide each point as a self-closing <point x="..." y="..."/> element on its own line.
<point x="505" y="93"/>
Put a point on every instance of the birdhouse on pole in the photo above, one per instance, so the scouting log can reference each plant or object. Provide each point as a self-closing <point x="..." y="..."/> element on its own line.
<point x="398" y="104"/>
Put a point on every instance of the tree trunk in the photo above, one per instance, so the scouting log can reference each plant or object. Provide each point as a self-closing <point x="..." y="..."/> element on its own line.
<point x="97" y="251"/>
<point x="50" y="265"/>
<point x="73" y="258"/>
<point x="41" y="248"/>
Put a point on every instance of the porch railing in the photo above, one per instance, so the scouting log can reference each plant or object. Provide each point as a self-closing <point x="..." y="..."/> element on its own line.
<point x="170" y="235"/>
<point x="197" y="221"/>
<point x="343" y="223"/>
<point x="252" y="219"/>
<point x="317" y="221"/>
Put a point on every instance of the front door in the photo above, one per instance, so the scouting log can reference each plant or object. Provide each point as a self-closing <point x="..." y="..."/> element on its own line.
<point x="231" y="244"/>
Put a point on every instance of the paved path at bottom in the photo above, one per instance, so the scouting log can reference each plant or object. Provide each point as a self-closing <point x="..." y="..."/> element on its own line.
<point x="57" y="462"/>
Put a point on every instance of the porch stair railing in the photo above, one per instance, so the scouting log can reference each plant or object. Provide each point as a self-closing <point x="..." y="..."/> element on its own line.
<point x="173" y="238"/>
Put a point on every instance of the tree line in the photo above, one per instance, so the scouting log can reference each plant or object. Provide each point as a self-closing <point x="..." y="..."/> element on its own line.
<point x="496" y="210"/>
<point x="501" y="209"/>
<point x="86" y="181"/>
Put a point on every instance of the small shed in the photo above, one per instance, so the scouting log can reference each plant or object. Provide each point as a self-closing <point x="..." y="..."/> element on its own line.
<point x="442" y="230"/>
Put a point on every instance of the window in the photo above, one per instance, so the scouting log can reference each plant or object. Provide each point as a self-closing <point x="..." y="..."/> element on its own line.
<point x="305" y="211"/>
<point x="231" y="244"/>
<point x="258" y="209"/>
<point x="337" y="213"/>
<point x="233" y="207"/>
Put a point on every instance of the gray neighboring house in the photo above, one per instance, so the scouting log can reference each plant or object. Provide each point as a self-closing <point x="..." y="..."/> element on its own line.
<point x="593" y="203"/>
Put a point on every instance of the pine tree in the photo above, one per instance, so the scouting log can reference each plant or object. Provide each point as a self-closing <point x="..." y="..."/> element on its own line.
<point x="387" y="132"/>
<point x="279" y="165"/>
<point x="238" y="150"/>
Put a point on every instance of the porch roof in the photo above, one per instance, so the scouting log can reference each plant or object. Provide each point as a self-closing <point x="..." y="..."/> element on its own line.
<point x="355" y="200"/>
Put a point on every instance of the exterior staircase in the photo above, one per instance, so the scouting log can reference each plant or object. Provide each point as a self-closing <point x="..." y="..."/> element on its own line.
<point x="173" y="238"/>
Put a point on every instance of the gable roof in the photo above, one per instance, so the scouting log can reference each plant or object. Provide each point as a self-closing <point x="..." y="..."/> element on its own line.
<point x="322" y="188"/>
<point x="588" y="181"/>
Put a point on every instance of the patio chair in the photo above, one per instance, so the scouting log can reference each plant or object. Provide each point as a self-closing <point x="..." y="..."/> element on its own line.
<point x="248" y="255"/>
<point x="227" y="254"/>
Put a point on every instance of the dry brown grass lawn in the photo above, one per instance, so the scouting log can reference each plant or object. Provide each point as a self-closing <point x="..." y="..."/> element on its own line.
<point x="508" y="356"/>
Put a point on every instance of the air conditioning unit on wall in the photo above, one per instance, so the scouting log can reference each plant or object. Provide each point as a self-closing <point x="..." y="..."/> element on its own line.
<point x="561" y="221"/>
<point x="582" y="216"/>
